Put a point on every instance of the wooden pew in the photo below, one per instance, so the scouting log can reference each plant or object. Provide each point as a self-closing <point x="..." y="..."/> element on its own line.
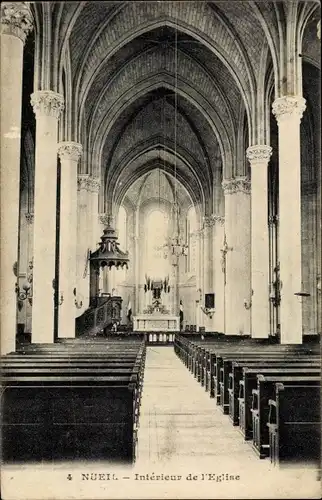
<point x="240" y="352"/>
<point x="52" y="418"/>
<point x="226" y="369"/>
<point x="249" y="383"/>
<point x="84" y="402"/>
<point x="237" y="374"/>
<point x="294" y="424"/>
<point x="266" y="390"/>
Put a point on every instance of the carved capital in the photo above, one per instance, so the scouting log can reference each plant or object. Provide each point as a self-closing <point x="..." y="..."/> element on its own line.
<point x="218" y="219"/>
<point x="207" y="221"/>
<point x="213" y="219"/>
<point x="16" y="19"/>
<point x="47" y="103"/>
<point x="287" y="107"/>
<point x="259" y="154"/>
<point x="236" y="185"/>
<point x="69" y="151"/>
<point x="83" y="182"/>
<point x="29" y="217"/>
<point x="95" y="184"/>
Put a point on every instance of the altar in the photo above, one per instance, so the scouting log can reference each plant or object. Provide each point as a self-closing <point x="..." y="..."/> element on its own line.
<point x="156" y="323"/>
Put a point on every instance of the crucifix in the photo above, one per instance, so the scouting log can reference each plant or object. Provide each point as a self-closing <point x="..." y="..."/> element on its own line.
<point x="225" y="248"/>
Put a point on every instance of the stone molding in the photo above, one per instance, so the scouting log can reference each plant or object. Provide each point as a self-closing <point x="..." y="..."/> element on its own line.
<point x="29" y="217"/>
<point x="287" y="107"/>
<point x="94" y="184"/>
<point x="259" y="154"/>
<point x="70" y="151"/>
<point x="90" y="184"/>
<point x="47" y="103"/>
<point x="16" y="19"/>
<point x="83" y="182"/>
<point x="237" y="185"/>
<point x="213" y="219"/>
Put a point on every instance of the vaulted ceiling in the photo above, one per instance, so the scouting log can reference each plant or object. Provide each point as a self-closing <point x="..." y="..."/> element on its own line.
<point x="162" y="84"/>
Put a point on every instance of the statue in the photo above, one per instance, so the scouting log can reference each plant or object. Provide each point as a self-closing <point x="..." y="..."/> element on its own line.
<point x="224" y="250"/>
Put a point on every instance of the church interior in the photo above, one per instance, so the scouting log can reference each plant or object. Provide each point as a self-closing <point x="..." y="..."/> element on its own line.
<point x="161" y="232"/>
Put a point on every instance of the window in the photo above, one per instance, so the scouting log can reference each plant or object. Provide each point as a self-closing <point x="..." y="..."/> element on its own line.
<point x="157" y="224"/>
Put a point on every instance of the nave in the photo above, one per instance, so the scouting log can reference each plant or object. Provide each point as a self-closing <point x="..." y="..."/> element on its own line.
<point x="179" y="432"/>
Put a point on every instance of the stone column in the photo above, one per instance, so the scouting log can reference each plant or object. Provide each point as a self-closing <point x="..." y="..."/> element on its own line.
<point x="137" y="301"/>
<point x="258" y="157"/>
<point x="47" y="106"/>
<point x="288" y="111"/>
<point x="198" y="296"/>
<point x="96" y="235"/>
<point x="69" y="154"/>
<point x="16" y="23"/>
<point x="207" y="267"/>
<point x="83" y="242"/>
<point x="236" y="253"/>
<point x="218" y="274"/>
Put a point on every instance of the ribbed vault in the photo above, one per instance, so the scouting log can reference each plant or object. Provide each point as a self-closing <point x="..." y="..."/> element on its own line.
<point x="211" y="67"/>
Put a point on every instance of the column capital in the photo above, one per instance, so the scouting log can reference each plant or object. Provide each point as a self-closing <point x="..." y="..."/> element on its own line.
<point x="47" y="103"/>
<point x="69" y="151"/>
<point x="259" y="154"/>
<point x="236" y="185"/>
<point x="288" y="106"/>
<point x="29" y="217"/>
<point x="83" y="182"/>
<point x="94" y="184"/>
<point x="219" y="219"/>
<point x="212" y="220"/>
<point x="16" y="19"/>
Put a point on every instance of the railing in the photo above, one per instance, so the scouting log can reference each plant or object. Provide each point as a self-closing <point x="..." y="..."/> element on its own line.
<point x="160" y="338"/>
<point x="102" y="314"/>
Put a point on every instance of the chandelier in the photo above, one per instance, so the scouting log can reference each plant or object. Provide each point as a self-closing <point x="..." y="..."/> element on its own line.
<point x="175" y="247"/>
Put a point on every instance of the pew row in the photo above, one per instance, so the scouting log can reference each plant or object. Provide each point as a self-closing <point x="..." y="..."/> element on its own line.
<point x="230" y="369"/>
<point x="62" y="402"/>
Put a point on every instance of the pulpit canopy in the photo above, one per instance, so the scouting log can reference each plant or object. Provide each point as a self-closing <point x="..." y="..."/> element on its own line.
<point x="109" y="254"/>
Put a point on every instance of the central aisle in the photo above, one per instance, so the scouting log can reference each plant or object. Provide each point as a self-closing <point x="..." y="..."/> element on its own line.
<point x="179" y="420"/>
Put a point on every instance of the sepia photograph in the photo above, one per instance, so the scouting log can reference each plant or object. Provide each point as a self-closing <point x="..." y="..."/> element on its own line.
<point x="160" y="250"/>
